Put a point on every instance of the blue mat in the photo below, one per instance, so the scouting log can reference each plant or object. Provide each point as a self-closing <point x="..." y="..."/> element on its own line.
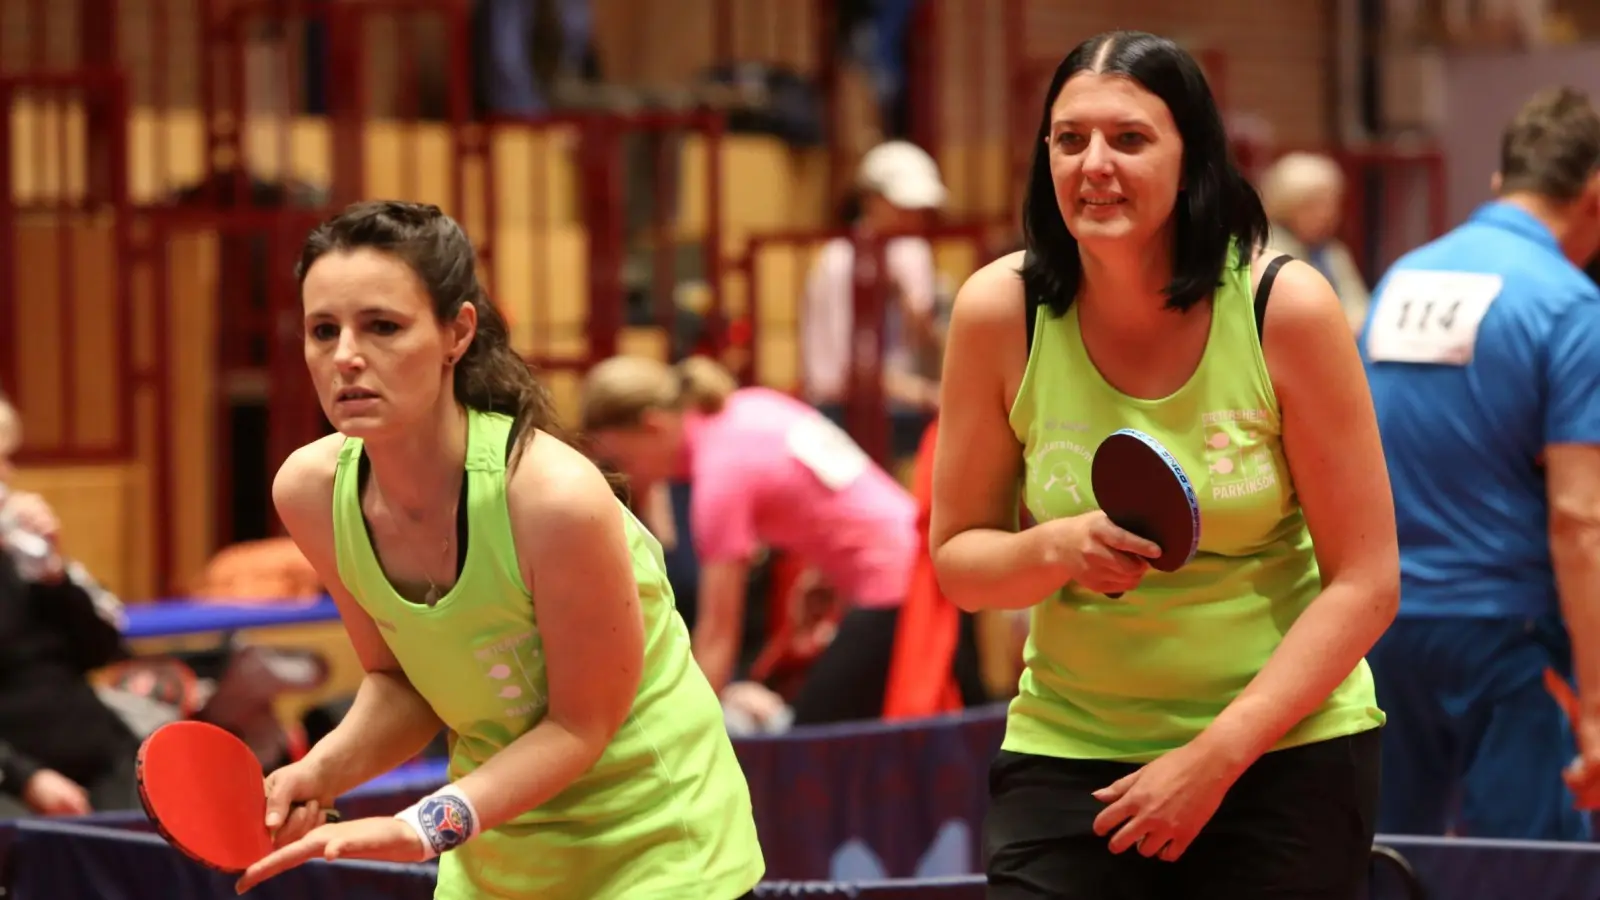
<point x="171" y="618"/>
<point x="68" y="861"/>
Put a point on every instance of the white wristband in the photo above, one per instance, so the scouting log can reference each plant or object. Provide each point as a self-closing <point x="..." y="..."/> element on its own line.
<point x="443" y="820"/>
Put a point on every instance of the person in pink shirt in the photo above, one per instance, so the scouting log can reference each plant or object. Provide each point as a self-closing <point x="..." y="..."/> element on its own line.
<point x="765" y="470"/>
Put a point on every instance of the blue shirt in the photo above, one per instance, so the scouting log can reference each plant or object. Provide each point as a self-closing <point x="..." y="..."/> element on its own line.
<point x="1481" y="348"/>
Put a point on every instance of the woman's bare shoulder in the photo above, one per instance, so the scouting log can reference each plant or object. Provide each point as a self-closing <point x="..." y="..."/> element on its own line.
<point x="992" y="297"/>
<point x="302" y="492"/>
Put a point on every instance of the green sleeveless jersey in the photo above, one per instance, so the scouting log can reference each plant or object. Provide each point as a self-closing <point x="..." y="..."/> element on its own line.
<point x="1134" y="677"/>
<point x="664" y="813"/>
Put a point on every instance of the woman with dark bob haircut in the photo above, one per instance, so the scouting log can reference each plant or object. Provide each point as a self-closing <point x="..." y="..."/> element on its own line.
<point x="1211" y="733"/>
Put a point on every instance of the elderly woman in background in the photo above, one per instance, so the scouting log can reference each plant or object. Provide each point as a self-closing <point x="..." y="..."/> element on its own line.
<point x="1304" y="197"/>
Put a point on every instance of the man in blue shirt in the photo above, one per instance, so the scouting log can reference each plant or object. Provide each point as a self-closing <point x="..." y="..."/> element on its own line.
<point x="1483" y="352"/>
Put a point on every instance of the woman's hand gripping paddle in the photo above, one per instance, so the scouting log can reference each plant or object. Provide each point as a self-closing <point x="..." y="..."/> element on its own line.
<point x="203" y="789"/>
<point x="1141" y="487"/>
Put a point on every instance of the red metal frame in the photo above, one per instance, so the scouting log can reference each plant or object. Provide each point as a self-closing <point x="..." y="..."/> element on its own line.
<point x="725" y="48"/>
<point x="1388" y="160"/>
<point x="867" y="412"/>
<point x="600" y="171"/>
<point x="100" y="90"/>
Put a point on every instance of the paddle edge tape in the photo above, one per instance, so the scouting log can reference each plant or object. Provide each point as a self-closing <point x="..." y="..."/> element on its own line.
<point x="1189" y="494"/>
<point x="150" y="813"/>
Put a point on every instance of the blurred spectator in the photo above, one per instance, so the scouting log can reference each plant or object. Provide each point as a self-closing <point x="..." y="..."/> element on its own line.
<point x="875" y="35"/>
<point x="1304" y="197"/>
<point x="665" y="510"/>
<point x="899" y="187"/>
<point x="512" y="35"/>
<point x="1483" y="353"/>
<point x="765" y="471"/>
<point x="62" y="751"/>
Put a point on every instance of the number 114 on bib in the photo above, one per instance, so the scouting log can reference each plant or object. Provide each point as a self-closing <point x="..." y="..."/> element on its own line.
<point x="1430" y="317"/>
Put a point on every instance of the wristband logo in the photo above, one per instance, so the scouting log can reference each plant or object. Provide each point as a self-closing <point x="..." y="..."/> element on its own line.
<point x="446" y="821"/>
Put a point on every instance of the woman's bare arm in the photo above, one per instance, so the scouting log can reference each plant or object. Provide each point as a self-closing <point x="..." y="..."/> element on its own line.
<point x="1330" y="438"/>
<point x="983" y="562"/>
<point x="575" y="558"/>
<point x="389" y="722"/>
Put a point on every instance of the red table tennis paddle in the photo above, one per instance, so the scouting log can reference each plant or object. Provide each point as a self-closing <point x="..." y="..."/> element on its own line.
<point x="1563" y="694"/>
<point x="1141" y="487"/>
<point x="203" y="788"/>
<point x="1566" y="698"/>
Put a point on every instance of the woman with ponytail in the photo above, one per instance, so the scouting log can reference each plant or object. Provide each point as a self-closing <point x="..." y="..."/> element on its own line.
<point x="492" y="585"/>
<point x="765" y="470"/>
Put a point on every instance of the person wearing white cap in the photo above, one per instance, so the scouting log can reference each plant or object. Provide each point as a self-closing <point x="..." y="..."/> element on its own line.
<point x="899" y="187"/>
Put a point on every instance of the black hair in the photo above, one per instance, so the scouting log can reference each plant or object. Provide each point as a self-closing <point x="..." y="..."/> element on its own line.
<point x="490" y="376"/>
<point x="1216" y="206"/>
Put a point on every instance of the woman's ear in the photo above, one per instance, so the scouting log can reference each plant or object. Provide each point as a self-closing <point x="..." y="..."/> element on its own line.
<point x="462" y="330"/>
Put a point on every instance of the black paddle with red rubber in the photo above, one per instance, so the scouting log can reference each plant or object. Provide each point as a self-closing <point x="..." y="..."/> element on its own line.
<point x="1143" y="489"/>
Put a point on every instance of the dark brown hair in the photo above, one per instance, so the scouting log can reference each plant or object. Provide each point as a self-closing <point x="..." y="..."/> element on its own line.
<point x="490" y="376"/>
<point x="1552" y="146"/>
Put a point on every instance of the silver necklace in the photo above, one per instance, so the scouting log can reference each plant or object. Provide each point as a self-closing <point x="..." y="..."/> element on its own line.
<point x="431" y="598"/>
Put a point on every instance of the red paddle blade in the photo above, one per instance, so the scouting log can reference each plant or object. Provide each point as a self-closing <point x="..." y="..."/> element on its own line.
<point x="1143" y="489"/>
<point x="202" y="787"/>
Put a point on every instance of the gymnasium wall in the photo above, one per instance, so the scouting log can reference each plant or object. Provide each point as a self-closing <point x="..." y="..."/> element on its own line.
<point x="1482" y="91"/>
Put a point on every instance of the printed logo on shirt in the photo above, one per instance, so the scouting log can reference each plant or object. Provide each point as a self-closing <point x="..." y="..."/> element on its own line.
<point x="514" y="667"/>
<point x="1237" y="453"/>
<point x="1058" y="469"/>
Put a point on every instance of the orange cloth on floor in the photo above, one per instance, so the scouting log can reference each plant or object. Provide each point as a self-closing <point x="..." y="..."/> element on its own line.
<point x="921" y="681"/>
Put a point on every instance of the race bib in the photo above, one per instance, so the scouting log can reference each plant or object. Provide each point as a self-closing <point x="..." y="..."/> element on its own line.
<point x="830" y="454"/>
<point x="1430" y="317"/>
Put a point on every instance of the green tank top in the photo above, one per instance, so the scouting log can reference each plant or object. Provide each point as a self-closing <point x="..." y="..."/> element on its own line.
<point x="664" y="813"/>
<point x="1131" y="678"/>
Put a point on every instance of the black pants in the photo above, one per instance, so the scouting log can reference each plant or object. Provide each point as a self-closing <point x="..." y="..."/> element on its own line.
<point x="1298" y="825"/>
<point x="847" y="682"/>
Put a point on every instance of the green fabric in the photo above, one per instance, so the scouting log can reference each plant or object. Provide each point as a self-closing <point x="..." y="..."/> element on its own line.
<point x="1131" y="678"/>
<point x="664" y="813"/>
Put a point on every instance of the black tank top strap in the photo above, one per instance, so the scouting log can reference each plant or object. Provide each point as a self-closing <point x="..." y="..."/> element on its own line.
<point x="1264" y="290"/>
